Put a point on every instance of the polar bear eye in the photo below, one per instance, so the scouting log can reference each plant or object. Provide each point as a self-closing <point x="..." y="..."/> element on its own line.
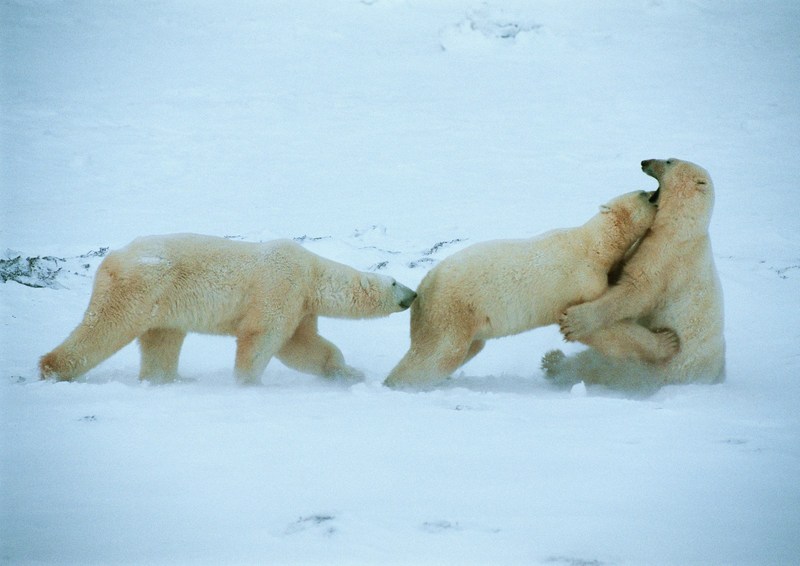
<point x="669" y="161"/>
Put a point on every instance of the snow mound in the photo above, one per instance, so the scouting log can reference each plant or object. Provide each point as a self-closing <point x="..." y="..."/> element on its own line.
<point x="484" y="27"/>
<point x="44" y="271"/>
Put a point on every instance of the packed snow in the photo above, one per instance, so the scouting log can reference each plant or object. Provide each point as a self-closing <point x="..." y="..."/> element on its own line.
<point x="388" y="134"/>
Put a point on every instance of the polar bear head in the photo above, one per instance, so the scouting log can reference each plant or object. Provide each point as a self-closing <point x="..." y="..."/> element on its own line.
<point x="621" y="223"/>
<point x="386" y="294"/>
<point x="633" y="213"/>
<point x="685" y="196"/>
<point x="348" y="293"/>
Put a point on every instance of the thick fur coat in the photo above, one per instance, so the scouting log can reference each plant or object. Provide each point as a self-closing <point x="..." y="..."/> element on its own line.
<point x="505" y="287"/>
<point x="267" y="295"/>
<point x="668" y="287"/>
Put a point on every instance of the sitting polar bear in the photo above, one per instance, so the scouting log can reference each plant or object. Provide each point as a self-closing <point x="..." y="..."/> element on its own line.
<point x="268" y="295"/>
<point x="505" y="287"/>
<point x="669" y="282"/>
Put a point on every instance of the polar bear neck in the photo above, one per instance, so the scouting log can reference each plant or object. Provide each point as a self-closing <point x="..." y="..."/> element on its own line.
<point x="608" y="237"/>
<point x="686" y="204"/>
<point x="683" y="217"/>
<point x="343" y="292"/>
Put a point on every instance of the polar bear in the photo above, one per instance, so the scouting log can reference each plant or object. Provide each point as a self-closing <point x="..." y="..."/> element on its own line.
<point x="669" y="282"/>
<point x="504" y="287"/>
<point x="267" y="295"/>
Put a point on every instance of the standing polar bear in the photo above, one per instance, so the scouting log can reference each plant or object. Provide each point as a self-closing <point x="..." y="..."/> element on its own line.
<point x="267" y="295"/>
<point x="505" y="287"/>
<point x="669" y="282"/>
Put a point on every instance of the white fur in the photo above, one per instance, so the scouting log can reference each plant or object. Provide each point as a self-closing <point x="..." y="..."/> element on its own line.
<point x="504" y="287"/>
<point x="668" y="287"/>
<point x="268" y="295"/>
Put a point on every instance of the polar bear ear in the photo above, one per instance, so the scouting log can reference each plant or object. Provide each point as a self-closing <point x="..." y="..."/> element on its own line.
<point x="365" y="282"/>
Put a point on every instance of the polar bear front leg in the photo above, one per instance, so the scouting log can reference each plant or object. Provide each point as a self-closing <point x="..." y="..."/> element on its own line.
<point x="308" y="352"/>
<point x="580" y="321"/>
<point x="628" y="300"/>
<point x="160" y="349"/>
<point x="636" y="294"/>
<point x="254" y="350"/>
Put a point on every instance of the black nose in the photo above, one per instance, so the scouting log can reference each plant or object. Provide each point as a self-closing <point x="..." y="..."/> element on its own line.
<point x="646" y="162"/>
<point x="405" y="303"/>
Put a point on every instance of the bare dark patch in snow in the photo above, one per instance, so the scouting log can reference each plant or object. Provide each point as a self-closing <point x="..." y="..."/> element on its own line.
<point x="44" y="271"/>
<point x="485" y="24"/>
<point x="783" y="272"/>
<point x="439" y="245"/>
<point x="421" y="262"/>
<point x="322" y="523"/>
<point x="435" y="527"/>
<point x="306" y="238"/>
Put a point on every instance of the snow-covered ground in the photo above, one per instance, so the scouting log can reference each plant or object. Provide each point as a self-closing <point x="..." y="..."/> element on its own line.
<point x="387" y="134"/>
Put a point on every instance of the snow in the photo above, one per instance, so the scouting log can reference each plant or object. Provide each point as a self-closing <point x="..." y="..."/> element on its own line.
<point x="388" y="134"/>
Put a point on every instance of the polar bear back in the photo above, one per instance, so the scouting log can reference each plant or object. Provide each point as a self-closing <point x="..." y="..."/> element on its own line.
<point x="207" y="284"/>
<point x="524" y="276"/>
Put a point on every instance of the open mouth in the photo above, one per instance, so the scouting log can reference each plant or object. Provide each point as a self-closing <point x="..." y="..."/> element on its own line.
<point x="654" y="197"/>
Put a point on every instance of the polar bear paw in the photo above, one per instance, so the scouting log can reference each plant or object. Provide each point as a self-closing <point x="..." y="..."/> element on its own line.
<point x="669" y="343"/>
<point x="551" y="363"/>
<point x="347" y="374"/>
<point x="577" y="323"/>
<point x="559" y="370"/>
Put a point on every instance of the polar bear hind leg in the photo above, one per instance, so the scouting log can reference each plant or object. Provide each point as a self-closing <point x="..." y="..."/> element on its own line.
<point x="474" y="349"/>
<point x="112" y="320"/>
<point x="432" y="360"/>
<point x="84" y="349"/>
<point x="559" y="370"/>
<point x="254" y="350"/>
<point x="627" y="339"/>
<point x="632" y="377"/>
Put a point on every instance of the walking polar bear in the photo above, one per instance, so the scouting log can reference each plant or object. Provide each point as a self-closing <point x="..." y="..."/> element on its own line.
<point x="505" y="287"/>
<point x="267" y="295"/>
<point x="669" y="282"/>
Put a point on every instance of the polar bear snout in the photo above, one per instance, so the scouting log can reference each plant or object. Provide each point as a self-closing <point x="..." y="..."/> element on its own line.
<point x="654" y="167"/>
<point x="405" y="303"/>
<point x="404" y="295"/>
